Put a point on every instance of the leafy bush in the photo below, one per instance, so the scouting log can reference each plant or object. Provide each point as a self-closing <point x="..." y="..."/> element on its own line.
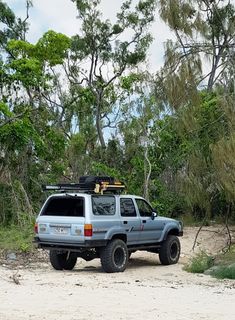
<point x="165" y="201"/>
<point x="201" y="262"/>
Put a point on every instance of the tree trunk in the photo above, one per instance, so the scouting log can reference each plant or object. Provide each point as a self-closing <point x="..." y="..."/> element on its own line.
<point x="214" y="69"/>
<point x="147" y="173"/>
<point x="98" y="122"/>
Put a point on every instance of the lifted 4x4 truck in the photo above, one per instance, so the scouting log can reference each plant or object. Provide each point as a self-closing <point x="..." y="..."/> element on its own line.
<point x="92" y="219"/>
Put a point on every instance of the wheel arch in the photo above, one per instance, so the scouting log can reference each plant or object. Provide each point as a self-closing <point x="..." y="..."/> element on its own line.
<point x="120" y="236"/>
<point x="172" y="231"/>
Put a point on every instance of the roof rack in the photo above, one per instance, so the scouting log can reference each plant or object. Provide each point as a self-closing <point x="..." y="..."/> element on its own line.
<point x="89" y="184"/>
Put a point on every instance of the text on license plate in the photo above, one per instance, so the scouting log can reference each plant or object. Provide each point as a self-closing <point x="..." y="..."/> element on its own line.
<point x="61" y="230"/>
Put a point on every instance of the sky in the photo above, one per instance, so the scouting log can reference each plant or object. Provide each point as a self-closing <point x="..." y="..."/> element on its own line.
<point x="60" y="16"/>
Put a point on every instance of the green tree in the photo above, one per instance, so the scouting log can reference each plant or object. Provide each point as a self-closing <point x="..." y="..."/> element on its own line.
<point x="201" y="57"/>
<point x="100" y="57"/>
<point x="32" y="144"/>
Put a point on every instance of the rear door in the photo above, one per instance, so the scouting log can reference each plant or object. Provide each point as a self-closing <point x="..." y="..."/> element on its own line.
<point x="151" y="230"/>
<point x="130" y="220"/>
<point x="104" y="217"/>
<point x="62" y="219"/>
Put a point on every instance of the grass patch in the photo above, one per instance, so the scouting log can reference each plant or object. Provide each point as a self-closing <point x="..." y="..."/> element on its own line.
<point x="199" y="263"/>
<point x="14" y="238"/>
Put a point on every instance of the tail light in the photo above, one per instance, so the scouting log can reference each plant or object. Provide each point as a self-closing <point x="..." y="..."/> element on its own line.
<point x="88" y="230"/>
<point x="36" y="228"/>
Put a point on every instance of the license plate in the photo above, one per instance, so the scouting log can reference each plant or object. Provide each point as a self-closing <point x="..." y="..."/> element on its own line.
<point x="61" y="230"/>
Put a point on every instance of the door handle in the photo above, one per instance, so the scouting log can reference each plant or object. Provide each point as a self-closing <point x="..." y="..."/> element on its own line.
<point x="125" y="222"/>
<point x="144" y="221"/>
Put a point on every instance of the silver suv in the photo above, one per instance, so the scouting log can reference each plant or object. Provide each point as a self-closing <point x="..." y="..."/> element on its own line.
<point x="96" y="221"/>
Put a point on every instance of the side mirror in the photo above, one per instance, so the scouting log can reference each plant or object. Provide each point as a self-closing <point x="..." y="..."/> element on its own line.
<point x="154" y="215"/>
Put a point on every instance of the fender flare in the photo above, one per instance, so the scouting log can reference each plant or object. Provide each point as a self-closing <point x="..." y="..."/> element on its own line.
<point x="173" y="231"/>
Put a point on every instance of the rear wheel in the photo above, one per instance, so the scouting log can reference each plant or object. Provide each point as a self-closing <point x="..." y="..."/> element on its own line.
<point x="62" y="260"/>
<point x="114" y="257"/>
<point x="170" y="250"/>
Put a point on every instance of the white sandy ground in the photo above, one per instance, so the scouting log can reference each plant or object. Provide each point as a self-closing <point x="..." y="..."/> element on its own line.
<point x="146" y="290"/>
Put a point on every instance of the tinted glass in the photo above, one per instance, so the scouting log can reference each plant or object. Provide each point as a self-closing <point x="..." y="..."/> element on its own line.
<point x="61" y="206"/>
<point x="103" y="205"/>
<point x="127" y="208"/>
<point x="145" y="209"/>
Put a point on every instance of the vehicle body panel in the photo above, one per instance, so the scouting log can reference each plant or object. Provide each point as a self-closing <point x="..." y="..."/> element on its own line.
<point x="69" y="230"/>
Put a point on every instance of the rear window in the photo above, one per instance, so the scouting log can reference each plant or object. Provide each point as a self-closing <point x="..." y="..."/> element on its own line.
<point x="103" y="205"/>
<point x="62" y="206"/>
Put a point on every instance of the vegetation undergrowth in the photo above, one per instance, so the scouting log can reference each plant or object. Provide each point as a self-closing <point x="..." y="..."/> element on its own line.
<point x="200" y="263"/>
<point x="15" y="238"/>
<point x="224" y="272"/>
<point x="225" y="265"/>
<point x="221" y="266"/>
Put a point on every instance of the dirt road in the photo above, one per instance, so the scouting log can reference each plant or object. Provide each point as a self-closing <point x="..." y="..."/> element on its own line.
<point x="146" y="290"/>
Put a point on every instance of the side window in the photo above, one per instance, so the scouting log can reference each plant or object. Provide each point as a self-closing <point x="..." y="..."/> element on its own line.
<point x="127" y="208"/>
<point x="103" y="205"/>
<point x="144" y="208"/>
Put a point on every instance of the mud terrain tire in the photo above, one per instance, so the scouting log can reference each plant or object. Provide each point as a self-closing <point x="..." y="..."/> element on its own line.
<point x="114" y="257"/>
<point x="170" y="250"/>
<point x="62" y="261"/>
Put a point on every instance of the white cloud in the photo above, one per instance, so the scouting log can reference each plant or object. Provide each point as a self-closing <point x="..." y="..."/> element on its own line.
<point x="59" y="15"/>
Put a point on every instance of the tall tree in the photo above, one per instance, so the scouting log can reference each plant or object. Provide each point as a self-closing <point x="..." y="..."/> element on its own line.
<point x="101" y="55"/>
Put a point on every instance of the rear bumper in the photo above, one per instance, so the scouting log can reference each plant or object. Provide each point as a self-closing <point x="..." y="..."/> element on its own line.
<point x="87" y="244"/>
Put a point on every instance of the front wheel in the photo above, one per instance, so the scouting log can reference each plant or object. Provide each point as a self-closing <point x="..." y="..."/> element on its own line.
<point x="62" y="260"/>
<point x="170" y="250"/>
<point x="114" y="257"/>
